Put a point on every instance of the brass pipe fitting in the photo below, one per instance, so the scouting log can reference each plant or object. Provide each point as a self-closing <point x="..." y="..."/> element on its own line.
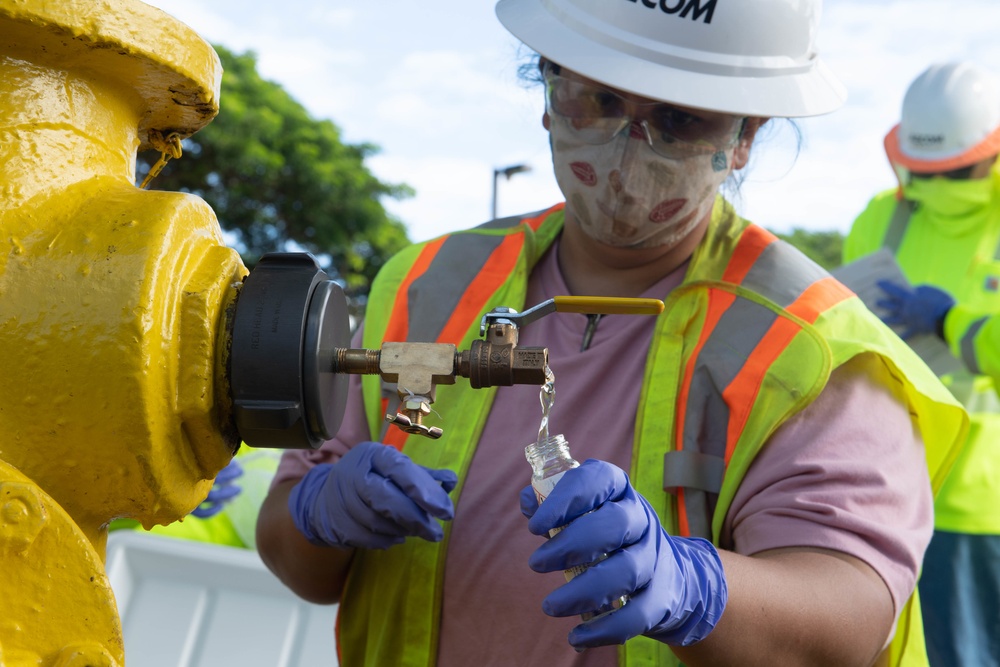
<point x="489" y="364"/>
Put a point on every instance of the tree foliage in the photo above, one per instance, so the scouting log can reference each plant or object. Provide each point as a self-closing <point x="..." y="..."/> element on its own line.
<point x="823" y="247"/>
<point x="274" y="174"/>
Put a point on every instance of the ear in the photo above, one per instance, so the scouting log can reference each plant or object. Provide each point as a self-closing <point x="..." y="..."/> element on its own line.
<point x="742" y="153"/>
<point x="546" y="122"/>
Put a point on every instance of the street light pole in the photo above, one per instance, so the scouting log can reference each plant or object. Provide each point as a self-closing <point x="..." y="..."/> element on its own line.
<point x="508" y="172"/>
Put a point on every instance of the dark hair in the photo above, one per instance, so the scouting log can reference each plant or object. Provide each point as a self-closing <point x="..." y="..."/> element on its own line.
<point x="529" y="72"/>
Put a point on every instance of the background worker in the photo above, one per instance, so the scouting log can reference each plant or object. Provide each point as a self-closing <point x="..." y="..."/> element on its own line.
<point x="734" y="447"/>
<point x="943" y="225"/>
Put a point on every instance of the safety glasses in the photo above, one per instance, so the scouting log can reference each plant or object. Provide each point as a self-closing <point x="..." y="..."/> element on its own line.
<point x="597" y="115"/>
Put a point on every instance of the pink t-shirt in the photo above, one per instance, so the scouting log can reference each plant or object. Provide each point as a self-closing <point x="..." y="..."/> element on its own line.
<point x="847" y="473"/>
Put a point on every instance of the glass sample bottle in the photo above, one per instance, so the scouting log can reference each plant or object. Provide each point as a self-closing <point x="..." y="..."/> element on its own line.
<point x="550" y="460"/>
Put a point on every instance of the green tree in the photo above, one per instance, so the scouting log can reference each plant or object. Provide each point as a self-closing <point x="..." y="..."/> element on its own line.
<point x="274" y="175"/>
<point x="823" y="247"/>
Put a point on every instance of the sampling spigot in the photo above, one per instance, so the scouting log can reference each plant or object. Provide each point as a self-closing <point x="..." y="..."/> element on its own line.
<point x="494" y="361"/>
<point x="285" y="349"/>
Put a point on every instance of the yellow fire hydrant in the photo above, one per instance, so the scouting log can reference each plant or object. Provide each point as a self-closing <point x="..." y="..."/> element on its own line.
<point x="113" y="303"/>
<point x="137" y="350"/>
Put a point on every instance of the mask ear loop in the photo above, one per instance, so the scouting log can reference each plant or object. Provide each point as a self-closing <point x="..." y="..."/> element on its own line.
<point x="719" y="160"/>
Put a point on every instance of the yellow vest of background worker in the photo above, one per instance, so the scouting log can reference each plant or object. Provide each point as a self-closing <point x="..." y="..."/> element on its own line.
<point x="236" y="524"/>
<point x="946" y="245"/>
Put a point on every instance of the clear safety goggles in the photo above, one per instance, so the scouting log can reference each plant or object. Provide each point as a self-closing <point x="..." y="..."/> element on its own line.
<point x="597" y="115"/>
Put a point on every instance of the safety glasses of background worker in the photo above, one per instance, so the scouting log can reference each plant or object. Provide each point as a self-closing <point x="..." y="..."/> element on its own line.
<point x="597" y="115"/>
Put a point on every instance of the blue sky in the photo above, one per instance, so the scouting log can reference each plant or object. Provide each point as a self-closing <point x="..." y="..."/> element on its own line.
<point x="435" y="85"/>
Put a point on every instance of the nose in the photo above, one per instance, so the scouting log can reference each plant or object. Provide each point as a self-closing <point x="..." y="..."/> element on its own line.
<point x="637" y="130"/>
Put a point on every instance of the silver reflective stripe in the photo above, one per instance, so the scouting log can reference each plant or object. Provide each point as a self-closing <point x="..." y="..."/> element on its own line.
<point x="436" y="294"/>
<point x="720" y="360"/>
<point x="706" y="425"/>
<point x="968" y="346"/>
<point x="693" y="470"/>
<point x="766" y="275"/>
<point x="700" y="506"/>
<point x="897" y="226"/>
<point x="700" y="475"/>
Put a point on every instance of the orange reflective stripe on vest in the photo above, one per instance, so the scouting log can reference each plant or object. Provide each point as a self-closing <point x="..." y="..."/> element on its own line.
<point x="718" y="391"/>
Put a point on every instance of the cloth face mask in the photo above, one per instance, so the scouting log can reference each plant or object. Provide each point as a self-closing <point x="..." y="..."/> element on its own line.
<point x="623" y="194"/>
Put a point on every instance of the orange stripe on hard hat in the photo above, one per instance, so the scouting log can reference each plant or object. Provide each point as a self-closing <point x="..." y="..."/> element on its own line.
<point x="988" y="147"/>
<point x="742" y="391"/>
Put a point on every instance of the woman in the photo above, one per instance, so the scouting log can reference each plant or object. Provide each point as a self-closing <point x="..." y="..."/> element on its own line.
<point x="755" y="417"/>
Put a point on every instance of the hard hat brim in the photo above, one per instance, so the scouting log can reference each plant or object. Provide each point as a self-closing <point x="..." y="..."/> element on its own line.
<point x="738" y="87"/>
<point x="988" y="147"/>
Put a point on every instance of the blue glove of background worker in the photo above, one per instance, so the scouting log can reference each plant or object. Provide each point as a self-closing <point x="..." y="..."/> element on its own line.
<point x="920" y="311"/>
<point x="373" y="498"/>
<point x="676" y="586"/>
<point x="223" y="491"/>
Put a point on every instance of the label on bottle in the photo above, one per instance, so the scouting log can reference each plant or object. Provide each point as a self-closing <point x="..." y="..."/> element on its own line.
<point x="542" y="488"/>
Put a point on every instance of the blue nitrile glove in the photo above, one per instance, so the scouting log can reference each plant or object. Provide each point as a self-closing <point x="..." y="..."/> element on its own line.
<point x="374" y="497"/>
<point x="676" y="586"/>
<point x="223" y="491"/>
<point x="921" y="310"/>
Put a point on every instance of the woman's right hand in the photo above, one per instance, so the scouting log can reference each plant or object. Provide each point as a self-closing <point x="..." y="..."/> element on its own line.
<point x="373" y="498"/>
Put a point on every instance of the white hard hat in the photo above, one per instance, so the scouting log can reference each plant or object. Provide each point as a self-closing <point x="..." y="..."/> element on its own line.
<point x="950" y="119"/>
<point x="744" y="57"/>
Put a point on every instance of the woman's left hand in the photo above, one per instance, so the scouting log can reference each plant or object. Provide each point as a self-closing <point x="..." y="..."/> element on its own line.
<point x="676" y="587"/>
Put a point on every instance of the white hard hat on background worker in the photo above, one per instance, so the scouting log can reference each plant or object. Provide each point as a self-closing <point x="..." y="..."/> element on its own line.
<point x="950" y="120"/>
<point x="748" y="60"/>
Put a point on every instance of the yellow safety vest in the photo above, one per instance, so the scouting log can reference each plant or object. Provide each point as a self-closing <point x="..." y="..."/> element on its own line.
<point x="753" y="316"/>
<point x="960" y="254"/>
